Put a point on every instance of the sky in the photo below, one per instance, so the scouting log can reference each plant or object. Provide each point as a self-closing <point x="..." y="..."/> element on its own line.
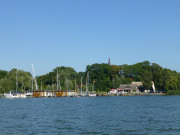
<point x="77" y="33"/>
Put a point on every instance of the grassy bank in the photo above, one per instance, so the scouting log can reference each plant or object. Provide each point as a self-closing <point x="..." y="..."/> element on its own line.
<point x="173" y="92"/>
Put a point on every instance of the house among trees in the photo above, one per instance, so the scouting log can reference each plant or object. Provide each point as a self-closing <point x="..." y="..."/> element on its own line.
<point x="135" y="87"/>
<point x="129" y="88"/>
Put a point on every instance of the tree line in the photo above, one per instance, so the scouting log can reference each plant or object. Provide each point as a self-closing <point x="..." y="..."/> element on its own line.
<point x="97" y="77"/>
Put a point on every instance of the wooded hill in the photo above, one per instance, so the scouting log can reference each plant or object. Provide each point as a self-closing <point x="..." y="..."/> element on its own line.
<point x="104" y="76"/>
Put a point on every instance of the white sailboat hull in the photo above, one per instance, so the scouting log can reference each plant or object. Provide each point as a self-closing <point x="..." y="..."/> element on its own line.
<point x="14" y="95"/>
<point x="92" y="94"/>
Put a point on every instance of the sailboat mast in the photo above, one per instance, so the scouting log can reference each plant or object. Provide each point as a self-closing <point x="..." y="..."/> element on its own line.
<point x="86" y="86"/>
<point x="57" y="79"/>
<point x="34" y="77"/>
<point x="22" y="84"/>
<point x="41" y="83"/>
<point x="87" y="82"/>
<point x="81" y="85"/>
<point x="32" y="83"/>
<point x="59" y="83"/>
<point x="16" y="80"/>
<point x="75" y="84"/>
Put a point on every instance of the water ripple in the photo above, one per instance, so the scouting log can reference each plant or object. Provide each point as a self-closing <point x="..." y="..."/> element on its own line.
<point x="141" y="115"/>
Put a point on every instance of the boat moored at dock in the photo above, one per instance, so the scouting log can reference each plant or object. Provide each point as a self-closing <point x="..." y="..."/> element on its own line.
<point x="12" y="94"/>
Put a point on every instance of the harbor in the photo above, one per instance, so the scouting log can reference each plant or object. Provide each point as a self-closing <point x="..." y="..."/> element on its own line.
<point x="133" y="89"/>
<point x="61" y="93"/>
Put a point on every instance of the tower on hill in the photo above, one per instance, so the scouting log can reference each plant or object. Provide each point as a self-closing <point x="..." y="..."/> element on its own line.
<point x="109" y="62"/>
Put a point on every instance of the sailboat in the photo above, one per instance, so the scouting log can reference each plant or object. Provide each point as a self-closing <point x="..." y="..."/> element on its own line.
<point x="30" y="93"/>
<point x="12" y="94"/>
<point x="81" y="94"/>
<point x="153" y="87"/>
<point x="86" y="94"/>
<point x="90" y="94"/>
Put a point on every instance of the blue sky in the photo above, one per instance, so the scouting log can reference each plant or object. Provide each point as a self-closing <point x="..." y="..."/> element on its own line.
<point x="77" y="33"/>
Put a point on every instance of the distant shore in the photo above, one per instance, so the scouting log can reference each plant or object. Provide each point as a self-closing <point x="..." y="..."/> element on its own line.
<point x="139" y="94"/>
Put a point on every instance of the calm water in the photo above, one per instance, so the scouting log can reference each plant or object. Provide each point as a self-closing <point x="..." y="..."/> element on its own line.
<point x="131" y="115"/>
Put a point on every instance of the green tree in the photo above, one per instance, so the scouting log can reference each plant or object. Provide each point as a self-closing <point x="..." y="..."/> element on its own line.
<point x="147" y="79"/>
<point x="102" y="74"/>
<point x="66" y="75"/>
<point x="9" y="81"/>
<point x="157" y="72"/>
<point x="116" y="81"/>
<point x="3" y="74"/>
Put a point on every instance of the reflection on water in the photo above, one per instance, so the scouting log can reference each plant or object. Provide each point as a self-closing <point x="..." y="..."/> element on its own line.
<point x="91" y="115"/>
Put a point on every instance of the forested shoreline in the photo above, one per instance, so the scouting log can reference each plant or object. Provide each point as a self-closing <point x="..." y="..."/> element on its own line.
<point x="102" y="76"/>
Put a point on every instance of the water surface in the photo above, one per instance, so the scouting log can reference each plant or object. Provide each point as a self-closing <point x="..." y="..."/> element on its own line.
<point x="124" y="115"/>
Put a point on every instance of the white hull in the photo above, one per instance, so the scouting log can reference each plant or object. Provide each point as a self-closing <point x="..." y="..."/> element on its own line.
<point x="29" y="94"/>
<point x="14" y="95"/>
<point x="92" y="94"/>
